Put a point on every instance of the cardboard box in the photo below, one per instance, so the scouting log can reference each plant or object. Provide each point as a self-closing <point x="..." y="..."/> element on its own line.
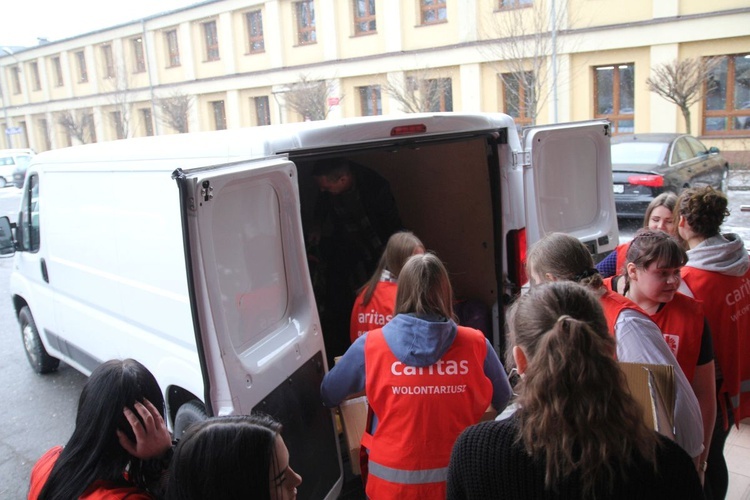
<point x="354" y="418"/>
<point x="653" y="386"/>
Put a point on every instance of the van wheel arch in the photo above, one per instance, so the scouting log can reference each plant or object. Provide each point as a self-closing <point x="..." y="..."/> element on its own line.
<point x="188" y="414"/>
<point x="37" y="355"/>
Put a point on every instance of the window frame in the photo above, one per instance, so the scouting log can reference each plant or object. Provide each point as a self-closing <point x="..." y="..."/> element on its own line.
<point x="172" y="44"/>
<point x="514" y="4"/>
<point x="15" y="72"/>
<point x="139" y="56"/>
<point x="524" y="118"/>
<point x="148" y="121"/>
<point x="616" y="115"/>
<point x="262" y="112"/>
<point x="83" y="72"/>
<point x="730" y="112"/>
<point x="117" y="124"/>
<point x="432" y="7"/>
<point x="57" y="67"/>
<point x="218" y="111"/>
<point x="35" y="78"/>
<point x="258" y="37"/>
<point x="211" y="40"/>
<point x="372" y="95"/>
<point x="365" y="18"/>
<point x="306" y="33"/>
<point x="108" y="60"/>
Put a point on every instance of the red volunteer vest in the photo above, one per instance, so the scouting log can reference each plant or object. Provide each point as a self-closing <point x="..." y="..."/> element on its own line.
<point x="421" y="412"/>
<point x="726" y="300"/>
<point x="376" y="313"/>
<point x="100" y="490"/>
<point x="681" y="323"/>
<point x="613" y="304"/>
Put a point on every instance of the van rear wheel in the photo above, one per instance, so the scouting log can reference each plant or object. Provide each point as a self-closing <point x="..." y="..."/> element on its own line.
<point x="37" y="355"/>
<point x="187" y="415"/>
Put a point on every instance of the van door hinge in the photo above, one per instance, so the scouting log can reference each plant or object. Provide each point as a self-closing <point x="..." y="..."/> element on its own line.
<point x="522" y="158"/>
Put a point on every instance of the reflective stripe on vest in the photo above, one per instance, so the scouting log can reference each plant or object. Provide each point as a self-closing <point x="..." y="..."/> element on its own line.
<point x="408" y="476"/>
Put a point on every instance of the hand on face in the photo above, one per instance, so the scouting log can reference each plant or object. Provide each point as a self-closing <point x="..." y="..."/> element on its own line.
<point x="152" y="438"/>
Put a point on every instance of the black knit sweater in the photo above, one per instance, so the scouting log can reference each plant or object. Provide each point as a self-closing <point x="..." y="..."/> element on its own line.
<point x="487" y="464"/>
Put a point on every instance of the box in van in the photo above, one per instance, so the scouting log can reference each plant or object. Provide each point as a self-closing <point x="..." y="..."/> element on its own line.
<point x="188" y="252"/>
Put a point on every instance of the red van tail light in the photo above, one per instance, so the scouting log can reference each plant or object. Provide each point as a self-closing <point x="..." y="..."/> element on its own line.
<point x="517" y="255"/>
<point x="417" y="128"/>
<point x="646" y="180"/>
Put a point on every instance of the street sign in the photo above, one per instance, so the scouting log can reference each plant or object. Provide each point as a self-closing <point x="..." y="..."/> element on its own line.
<point x="13" y="130"/>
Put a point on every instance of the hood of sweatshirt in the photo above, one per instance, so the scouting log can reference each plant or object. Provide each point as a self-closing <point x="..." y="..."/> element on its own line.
<point x="419" y="341"/>
<point x="724" y="253"/>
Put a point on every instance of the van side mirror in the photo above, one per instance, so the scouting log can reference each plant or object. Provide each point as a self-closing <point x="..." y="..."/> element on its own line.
<point x="7" y="245"/>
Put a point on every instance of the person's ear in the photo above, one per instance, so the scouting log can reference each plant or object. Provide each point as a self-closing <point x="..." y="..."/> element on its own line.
<point x="520" y="358"/>
<point x="550" y="277"/>
<point x="630" y="268"/>
<point x="682" y="221"/>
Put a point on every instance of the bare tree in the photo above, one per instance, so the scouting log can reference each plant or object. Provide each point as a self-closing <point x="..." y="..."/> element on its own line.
<point x="682" y="82"/>
<point x="175" y="110"/>
<point x="120" y="99"/>
<point x="523" y="42"/>
<point x="79" y="125"/>
<point x="421" y="91"/>
<point x="309" y="98"/>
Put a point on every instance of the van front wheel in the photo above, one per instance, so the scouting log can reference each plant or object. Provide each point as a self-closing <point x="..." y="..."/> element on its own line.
<point x="187" y="415"/>
<point x="37" y="355"/>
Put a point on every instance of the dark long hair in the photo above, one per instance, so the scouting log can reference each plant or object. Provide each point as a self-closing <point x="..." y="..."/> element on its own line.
<point x="93" y="452"/>
<point x="575" y="411"/>
<point x="225" y="457"/>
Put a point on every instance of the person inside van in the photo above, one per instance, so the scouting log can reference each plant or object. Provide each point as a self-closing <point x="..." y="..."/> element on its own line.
<point x="577" y="432"/>
<point x="354" y="215"/>
<point x="375" y="302"/>
<point x="232" y="458"/>
<point x="120" y="444"/>
<point x="425" y="378"/>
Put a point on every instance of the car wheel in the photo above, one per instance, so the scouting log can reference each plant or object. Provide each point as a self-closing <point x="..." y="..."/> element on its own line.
<point x="724" y="180"/>
<point x="37" y="355"/>
<point x="188" y="414"/>
<point x="3" y="182"/>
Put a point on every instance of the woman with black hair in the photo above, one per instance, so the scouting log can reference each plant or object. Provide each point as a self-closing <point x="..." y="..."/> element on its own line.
<point x="119" y="430"/>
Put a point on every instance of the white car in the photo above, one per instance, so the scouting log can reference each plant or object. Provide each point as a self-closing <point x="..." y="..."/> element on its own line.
<point x="10" y="159"/>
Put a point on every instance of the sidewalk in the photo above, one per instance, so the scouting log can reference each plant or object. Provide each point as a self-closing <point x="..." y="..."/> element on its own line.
<point x="737" y="453"/>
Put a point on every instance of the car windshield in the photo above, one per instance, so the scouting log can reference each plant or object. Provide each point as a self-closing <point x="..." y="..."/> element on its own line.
<point x="23" y="161"/>
<point x="636" y="153"/>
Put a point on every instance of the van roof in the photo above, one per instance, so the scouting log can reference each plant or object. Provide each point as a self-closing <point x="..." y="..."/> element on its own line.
<point x="257" y="142"/>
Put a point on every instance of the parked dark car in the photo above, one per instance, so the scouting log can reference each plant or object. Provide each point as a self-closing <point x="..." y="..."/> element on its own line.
<point x="645" y="165"/>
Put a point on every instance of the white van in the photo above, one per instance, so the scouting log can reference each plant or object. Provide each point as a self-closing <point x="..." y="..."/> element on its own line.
<point x="187" y="252"/>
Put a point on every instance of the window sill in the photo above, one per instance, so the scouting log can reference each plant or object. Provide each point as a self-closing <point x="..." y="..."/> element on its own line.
<point x="254" y="52"/>
<point x="426" y="25"/>
<point x="364" y="33"/>
<point x="305" y="44"/>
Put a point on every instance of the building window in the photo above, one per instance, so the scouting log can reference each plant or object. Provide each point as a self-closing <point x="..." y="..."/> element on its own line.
<point x="36" y="81"/>
<point x="220" y="117"/>
<point x="518" y="96"/>
<point x="726" y="108"/>
<point x="369" y="101"/>
<point x="108" y="61"/>
<point x="211" y="39"/>
<point x="44" y="133"/>
<point x="88" y="121"/>
<point x="438" y="94"/>
<point x="433" y="11"/>
<point x="15" y="72"/>
<point x="305" y="12"/>
<point x="514" y="4"/>
<point x="57" y="69"/>
<point x="254" y="21"/>
<point x="614" y="96"/>
<point x="118" y="124"/>
<point x="148" y="122"/>
<point x="262" y="111"/>
<point x="83" y="74"/>
<point x="173" y="48"/>
<point x="364" y="17"/>
<point x="138" y="56"/>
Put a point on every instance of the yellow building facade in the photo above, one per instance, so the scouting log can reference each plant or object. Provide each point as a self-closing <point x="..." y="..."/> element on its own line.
<point x="243" y="63"/>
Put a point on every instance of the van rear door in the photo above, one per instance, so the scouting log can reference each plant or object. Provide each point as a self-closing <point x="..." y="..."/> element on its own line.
<point x="256" y="322"/>
<point x="568" y="183"/>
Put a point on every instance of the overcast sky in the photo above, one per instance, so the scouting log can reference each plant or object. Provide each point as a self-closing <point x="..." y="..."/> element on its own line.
<point x="23" y="21"/>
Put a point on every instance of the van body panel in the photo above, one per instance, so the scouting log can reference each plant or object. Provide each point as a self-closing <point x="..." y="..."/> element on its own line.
<point x="568" y="184"/>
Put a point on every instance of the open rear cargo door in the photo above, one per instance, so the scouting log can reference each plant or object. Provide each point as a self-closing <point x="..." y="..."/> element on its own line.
<point x="568" y="183"/>
<point x="256" y="322"/>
